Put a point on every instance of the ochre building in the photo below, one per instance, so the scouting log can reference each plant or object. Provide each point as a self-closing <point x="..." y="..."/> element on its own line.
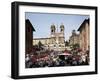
<point x="84" y="36"/>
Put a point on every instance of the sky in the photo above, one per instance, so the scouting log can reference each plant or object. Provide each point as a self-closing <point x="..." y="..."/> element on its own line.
<point x="42" y="23"/>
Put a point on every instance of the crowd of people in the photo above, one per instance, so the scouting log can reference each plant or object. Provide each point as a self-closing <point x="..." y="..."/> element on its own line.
<point x="56" y="59"/>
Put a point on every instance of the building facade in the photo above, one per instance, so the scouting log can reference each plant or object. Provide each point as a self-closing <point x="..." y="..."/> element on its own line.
<point x="74" y="38"/>
<point x="29" y="36"/>
<point x="84" y="36"/>
<point x="55" y="41"/>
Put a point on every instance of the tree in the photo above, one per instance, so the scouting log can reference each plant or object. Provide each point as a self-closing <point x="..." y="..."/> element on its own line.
<point x="75" y="46"/>
<point x="40" y="44"/>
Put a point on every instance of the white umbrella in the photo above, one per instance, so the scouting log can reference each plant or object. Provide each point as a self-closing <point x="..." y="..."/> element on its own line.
<point x="65" y="54"/>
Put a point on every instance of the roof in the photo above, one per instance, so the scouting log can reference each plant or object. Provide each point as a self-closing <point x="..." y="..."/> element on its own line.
<point x="82" y="25"/>
<point x="27" y="21"/>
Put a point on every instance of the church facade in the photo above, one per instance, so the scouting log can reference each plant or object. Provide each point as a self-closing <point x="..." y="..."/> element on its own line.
<point x="55" y="41"/>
